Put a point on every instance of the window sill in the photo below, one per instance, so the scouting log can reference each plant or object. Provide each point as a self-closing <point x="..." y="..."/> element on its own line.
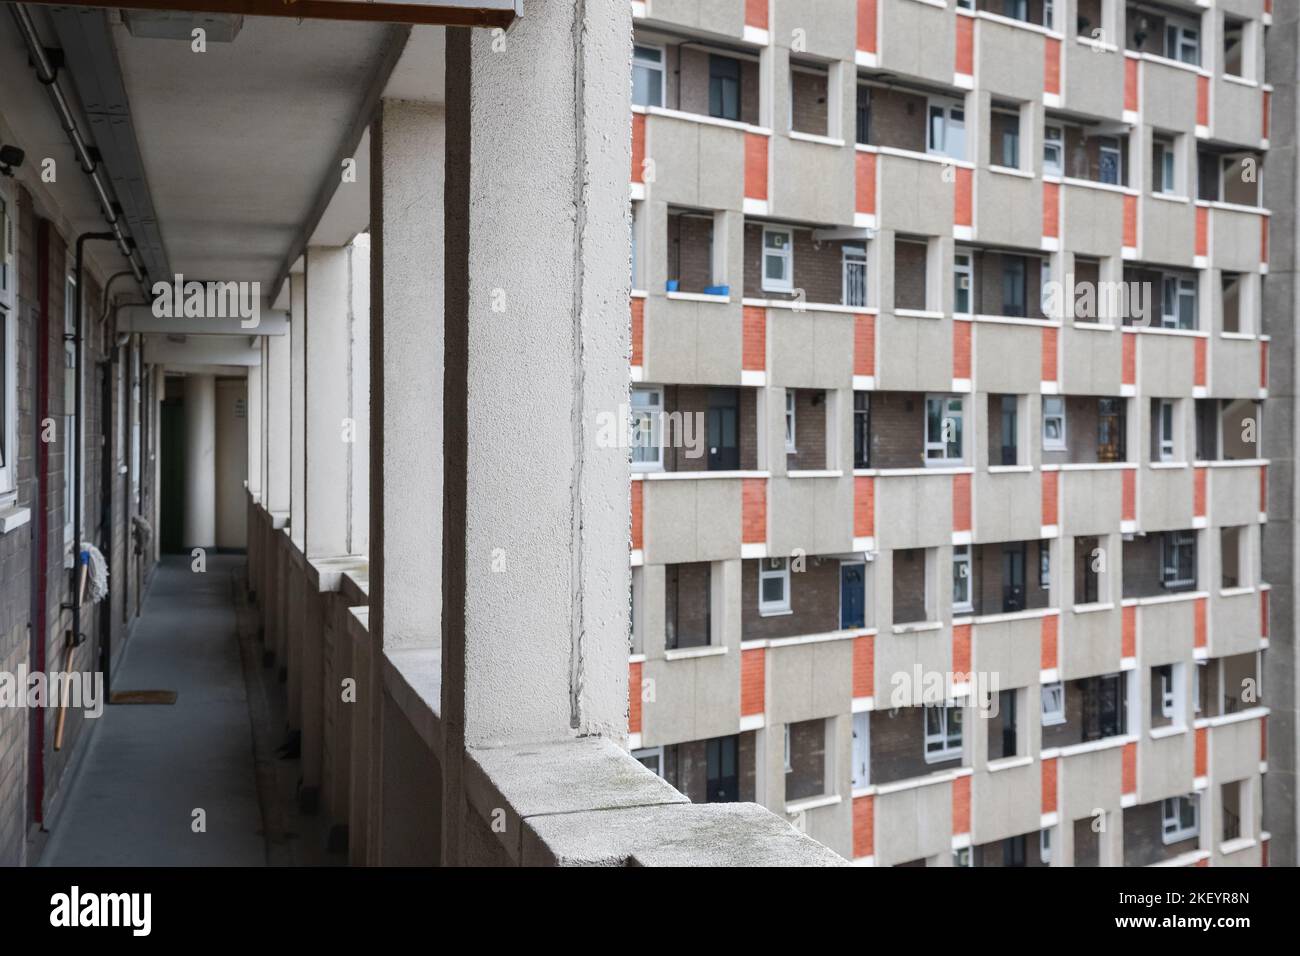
<point x="1009" y="763"/>
<point x="12" y="518"/>
<point x="1092" y="608"/>
<point x="1239" y="80"/>
<point x="813" y="803"/>
<point x="1010" y="171"/>
<point x="1170" y="197"/>
<point x="1235" y="592"/>
<point x="687" y="653"/>
<point x="775" y="612"/>
<point x="1237" y="845"/>
<point x="1171" y="730"/>
<point x="917" y="314"/>
<point x="815" y="473"/>
<point x="1167" y="465"/>
<point x="917" y="627"/>
<point x="1010" y="469"/>
<point x="699" y="297"/>
<point x="816" y="138"/>
<point x="1093" y="326"/>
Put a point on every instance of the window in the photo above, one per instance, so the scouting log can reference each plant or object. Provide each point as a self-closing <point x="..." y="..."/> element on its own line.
<point x="1053" y="151"/>
<point x="724" y="87"/>
<point x="1110" y="160"/>
<point x="1008" y="411"/>
<point x="1165" y="692"/>
<point x="1045" y="846"/>
<point x="864" y="114"/>
<point x="647" y="75"/>
<point x="1044" y="564"/>
<point x="1004" y="740"/>
<point x="1164" y="429"/>
<point x="853" y="266"/>
<point x="778" y="260"/>
<point x="1180" y="819"/>
<point x="1013" y="285"/>
<point x="1111" y="445"/>
<point x="1231" y="292"/>
<point x="1178" y="302"/>
<point x="943" y="428"/>
<point x="961" y="578"/>
<point x="1004" y="145"/>
<point x="1163" y="167"/>
<point x="861" y="748"/>
<point x="1178" y="559"/>
<point x="1089" y="560"/>
<point x="1234" y="32"/>
<point x="69" y="436"/>
<point x="790" y="400"/>
<point x="962" y="283"/>
<point x="946" y="134"/>
<point x="774" y="586"/>
<point x="688" y="605"/>
<point x="1105" y="703"/>
<point x="1231" y="801"/>
<point x="1016" y="9"/>
<point x="652" y="758"/>
<point x="8" y="348"/>
<point x="1053" y="423"/>
<point x="942" y="733"/>
<point x="1053" y="704"/>
<point x="1183" y="43"/>
<point x="861" y="429"/>
<point x="647" y="422"/>
<point x="805" y="759"/>
<point x="962" y="856"/>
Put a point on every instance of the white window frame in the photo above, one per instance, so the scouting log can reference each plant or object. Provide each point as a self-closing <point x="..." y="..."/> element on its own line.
<point x="657" y="753"/>
<point x="853" y="258"/>
<point x="9" y="344"/>
<point x="790" y="422"/>
<point x="655" y="413"/>
<point x="947" y="746"/>
<point x="650" y="65"/>
<point x="1168" y="678"/>
<point x="943" y="458"/>
<point x="767" y="572"/>
<point x="1054" y="410"/>
<point x="1172" y="544"/>
<point x="1052" y="704"/>
<point x="1171" y="825"/>
<point x="1019" y="142"/>
<point x="1045" y="846"/>
<point x="1183" y="35"/>
<point x="788" y="766"/>
<point x="861" y="769"/>
<point x="1117" y="151"/>
<point x="1168" y="167"/>
<point x="963" y="267"/>
<point x="961" y="557"/>
<point x="1174" y="290"/>
<point x="1166" y="413"/>
<point x="1053" y="143"/>
<point x="949" y="122"/>
<point x="786" y="283"/>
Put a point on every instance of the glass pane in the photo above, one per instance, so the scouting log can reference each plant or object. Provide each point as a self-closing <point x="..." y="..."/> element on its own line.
<point x="773" y="590"/>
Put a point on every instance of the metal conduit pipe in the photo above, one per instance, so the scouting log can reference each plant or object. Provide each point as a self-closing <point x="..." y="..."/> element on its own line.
<point x="103" y="189"/>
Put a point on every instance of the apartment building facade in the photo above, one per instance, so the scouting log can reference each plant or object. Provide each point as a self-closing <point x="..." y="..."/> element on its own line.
<point x="951" y="390"/>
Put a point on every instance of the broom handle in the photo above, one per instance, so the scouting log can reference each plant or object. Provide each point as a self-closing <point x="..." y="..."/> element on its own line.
<point x="63" y="704"/>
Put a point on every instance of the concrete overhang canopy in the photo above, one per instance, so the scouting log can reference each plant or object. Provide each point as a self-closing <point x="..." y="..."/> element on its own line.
<point x="460" y="13"/>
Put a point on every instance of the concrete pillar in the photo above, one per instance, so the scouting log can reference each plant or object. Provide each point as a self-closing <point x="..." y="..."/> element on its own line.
<point x="254" y="429"/>
<point x="405" y="406"/>
<point x="359" y="376"/>
<point x="535" y="570"/>
<point x="297" y="407"/>
<point x="327" y="386"/>
<point x="275" y="447"/>
<point x="200" y="461"/>
<point x="406" y="361"/>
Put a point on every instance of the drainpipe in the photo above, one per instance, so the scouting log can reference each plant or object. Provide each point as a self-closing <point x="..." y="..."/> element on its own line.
<point x="74" y="596"/>
<point x="48" y="77"/>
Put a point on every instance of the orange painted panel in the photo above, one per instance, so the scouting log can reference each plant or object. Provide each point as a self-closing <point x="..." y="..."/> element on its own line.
<point x="864" y="345"/>
<point x="1128" y="771"/>
<point x="1128" y="494"/>
<point x="961" y="503"/>
<point x="1049" y="785"/>
<point x="1130" y="84"/>
<point x="1051" y="210"/>
<point x="756" y="166"/>
<point x="1051" y="488"/>
<point x="965" y="45"/>
<point x="634" y="698"/>
<point x="864" y="666"/>
<point x="1049" y="373"/>
<point x="753" y="681"/>
<point x="962" y="215"/>
<point x="1049" y="643"/>
<point x="961" y="805"/>
<point x="961" y="350"/>
<point x="638" y="331"/>
<point x="638" y="146"/>
<point x="1199" y="638"/>
<point x="637" y="509"/>
<point x="753" y="492"/>
<point x="1052" y="66"/>
<point x="864" y="826"/>
<point x="865" y="181"/>
<point x="867" y="25"/>
<point x="960" y="650"/>
<point x="1198" y="491"/>
<point x="754" y="338"/>
<point x="864" y="506"/>
<point x="756" y="14"/>
<point x="1128" y="631"/>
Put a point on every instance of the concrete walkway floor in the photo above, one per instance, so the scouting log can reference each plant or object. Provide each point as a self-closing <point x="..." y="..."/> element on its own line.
<point x="149" y="767"/>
